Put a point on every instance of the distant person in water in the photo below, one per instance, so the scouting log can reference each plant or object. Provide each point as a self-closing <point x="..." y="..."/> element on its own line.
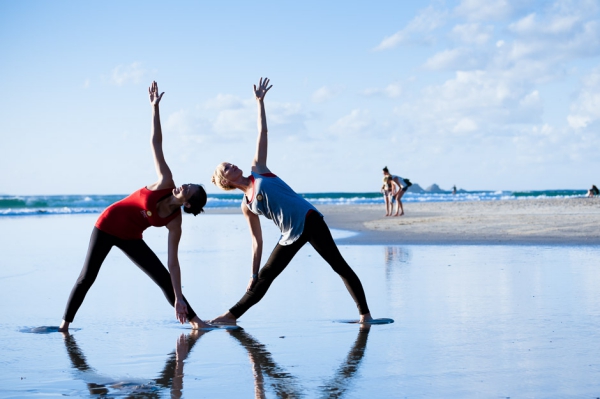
<point x="400" y="185"/>
<point x="299" y="222"/>
<point x="454" y="190"/>
<point x="592" y="192"/>
<point x="387" y="190"/>
<point x="121" y="225"/>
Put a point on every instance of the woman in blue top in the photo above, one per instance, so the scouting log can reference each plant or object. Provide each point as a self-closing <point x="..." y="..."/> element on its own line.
<point x="299" y="222"/>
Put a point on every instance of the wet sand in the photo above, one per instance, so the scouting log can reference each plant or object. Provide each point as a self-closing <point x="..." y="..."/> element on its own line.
<point x="573" y="221"/>
<point x="471" y="321"/>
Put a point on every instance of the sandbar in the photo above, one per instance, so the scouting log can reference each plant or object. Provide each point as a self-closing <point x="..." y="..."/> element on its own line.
<point x="546" y="221"/>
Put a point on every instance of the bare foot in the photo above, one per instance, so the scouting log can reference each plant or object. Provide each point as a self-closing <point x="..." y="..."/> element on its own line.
<point x="197" y="324"/>
<point x="226" y="318"/>
<point x="64" y="326"/>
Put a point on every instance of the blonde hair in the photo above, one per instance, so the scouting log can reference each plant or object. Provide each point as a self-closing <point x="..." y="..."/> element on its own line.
<point x="218" y="178"/>
<point x="387" y="182"/>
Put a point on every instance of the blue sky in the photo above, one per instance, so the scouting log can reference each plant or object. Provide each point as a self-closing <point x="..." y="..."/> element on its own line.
<point x="499" y="95"/>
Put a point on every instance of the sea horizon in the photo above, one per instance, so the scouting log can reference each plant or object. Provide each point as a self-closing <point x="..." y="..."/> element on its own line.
<point x="24" y="205"/>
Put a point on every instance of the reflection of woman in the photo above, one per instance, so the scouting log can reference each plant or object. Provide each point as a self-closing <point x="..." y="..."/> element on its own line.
<point x="171" y="377"/>
<point x="263" y="365"/>
<point x="284" y="383"/>
<point x="299" y="222"/>
<point x="122" y="224"/>
<point x="339" y="383"/>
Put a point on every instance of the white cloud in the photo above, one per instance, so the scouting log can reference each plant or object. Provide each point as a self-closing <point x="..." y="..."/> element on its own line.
<point x="86" y="84"/>
<point x="586" y="108"/>
<point x="448" y="59"/>
<point x="481" y="10"/>
<point x="557" y="34"/>
<point x="472" y="33"/>
<point x="473" y="101"/>
<point x="393" y="90"/>
<point x="325" y="93"/>
<point x="357" y="122"/>
<point x="230" y="121"/>
<point x="465" y="125"/>
<point x="123" y="74"/>
<point x="418" y="29"/>
<point x="531" y="100"/>
<point x="227" y="101"/>
<point x="228" y="117"/>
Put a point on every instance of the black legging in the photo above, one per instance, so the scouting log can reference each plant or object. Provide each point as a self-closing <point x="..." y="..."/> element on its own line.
<point x="137" y="250"/>
<point x="317" y="233"/>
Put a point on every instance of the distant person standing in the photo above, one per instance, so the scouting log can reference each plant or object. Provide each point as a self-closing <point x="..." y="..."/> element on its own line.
<point x="401" y="185"/>
<point x="387" y="190"/>
<point x="592" y="192"/>
<point x="454" y="190"/>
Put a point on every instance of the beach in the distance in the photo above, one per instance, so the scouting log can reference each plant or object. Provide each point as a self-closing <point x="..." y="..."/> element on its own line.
<point x="535" y="221"/>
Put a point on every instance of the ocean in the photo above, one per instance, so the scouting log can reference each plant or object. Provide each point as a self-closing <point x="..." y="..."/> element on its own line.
<point x="23" y="205"/>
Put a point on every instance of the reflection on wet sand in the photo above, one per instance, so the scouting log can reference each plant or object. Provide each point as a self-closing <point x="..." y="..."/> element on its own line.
<point x="392" y="256"/>
<point x="171" y="377"/>
<point x="285" y="384"/>
<point x="268" y="375"/>
<point x="339" y="384"/>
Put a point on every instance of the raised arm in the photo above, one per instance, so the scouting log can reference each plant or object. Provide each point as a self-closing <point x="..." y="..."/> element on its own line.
<point x="174" y="227"/>
<point x="257" y="243"/>
<point x="259" y="164"/>
<point x="165" y="178"/>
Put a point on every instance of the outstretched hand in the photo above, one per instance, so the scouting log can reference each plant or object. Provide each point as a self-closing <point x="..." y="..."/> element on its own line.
<point x="153" y="93"/>
<point x="262" y="88"/>
<point x="181" y="310"/>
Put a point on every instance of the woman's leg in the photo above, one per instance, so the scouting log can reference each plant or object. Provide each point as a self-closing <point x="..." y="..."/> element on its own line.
<point x="400" y="208"/>
<point x="386" y="198"/>
<point x="278" y="261"/>
<point x="139" y="252"/>
<point x="99" y="247"/>
<point x="320" y="238"/>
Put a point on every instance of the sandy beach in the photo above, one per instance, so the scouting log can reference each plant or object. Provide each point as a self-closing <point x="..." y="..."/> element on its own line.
<point x="573" y="221"/>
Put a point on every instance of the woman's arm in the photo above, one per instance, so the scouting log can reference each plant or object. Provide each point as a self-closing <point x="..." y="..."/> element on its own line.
<point x="257" y="243"/>
<point x="396" y="187"/>
<point x="174" y="227"/>
<point x="259" y="164"/>
<point x="165" y="178"/>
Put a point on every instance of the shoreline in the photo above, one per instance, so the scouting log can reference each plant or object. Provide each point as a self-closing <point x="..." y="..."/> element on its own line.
<point x="548" y="221"/>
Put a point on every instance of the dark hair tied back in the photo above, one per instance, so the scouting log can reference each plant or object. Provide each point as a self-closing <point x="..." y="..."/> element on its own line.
<point x="197" y="202"/>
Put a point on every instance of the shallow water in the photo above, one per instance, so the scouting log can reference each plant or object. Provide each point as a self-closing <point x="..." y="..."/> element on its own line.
<point x="470" y="321"/>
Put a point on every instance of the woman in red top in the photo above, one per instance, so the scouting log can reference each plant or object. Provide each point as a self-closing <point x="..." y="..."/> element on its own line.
<point x="122" y="224"/>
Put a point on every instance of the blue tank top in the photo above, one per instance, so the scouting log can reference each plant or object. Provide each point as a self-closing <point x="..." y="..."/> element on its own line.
<point x="274" y="199"/>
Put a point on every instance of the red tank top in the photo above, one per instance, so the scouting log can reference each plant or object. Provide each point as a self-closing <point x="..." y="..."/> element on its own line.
<point x="128" y="218"/>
